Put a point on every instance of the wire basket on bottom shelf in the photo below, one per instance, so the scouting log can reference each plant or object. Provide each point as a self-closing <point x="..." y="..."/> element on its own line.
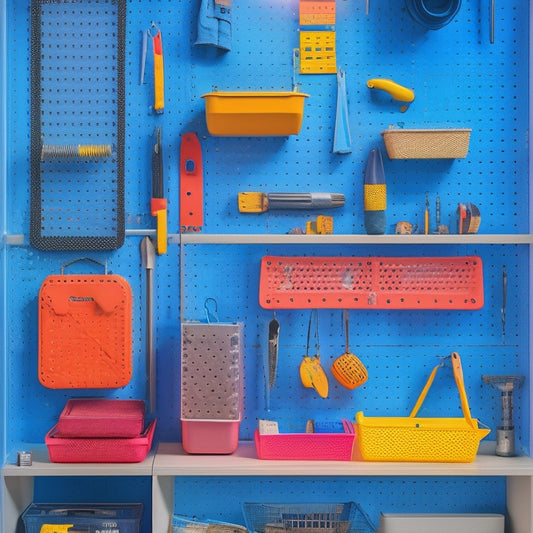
<point x="306" y="518"/>
<point x="186" y="524"/>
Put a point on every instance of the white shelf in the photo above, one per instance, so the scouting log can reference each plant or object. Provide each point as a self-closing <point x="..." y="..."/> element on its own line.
<point x="236" y="238"/>
<point x="171" y="460"/>
<point x="42" y="466"/>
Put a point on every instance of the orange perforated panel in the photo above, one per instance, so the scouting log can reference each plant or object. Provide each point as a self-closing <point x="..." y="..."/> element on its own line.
<point x="317" y="12"/>
<point x="371" y="282"/>
<point x="85" y="332"/>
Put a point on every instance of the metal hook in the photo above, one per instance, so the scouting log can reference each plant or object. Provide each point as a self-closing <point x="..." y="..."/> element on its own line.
<point x="84" y="259"/>
<point x="208" y="315"/>
<point x="150" y="30"/>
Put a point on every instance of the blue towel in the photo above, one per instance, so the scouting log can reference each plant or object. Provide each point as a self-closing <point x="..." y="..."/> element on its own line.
<point x="342" y="141"/>
<point x="214" y="24"/>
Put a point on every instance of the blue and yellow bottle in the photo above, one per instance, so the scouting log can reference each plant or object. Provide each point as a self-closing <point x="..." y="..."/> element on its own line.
<point x="375" y="194"/>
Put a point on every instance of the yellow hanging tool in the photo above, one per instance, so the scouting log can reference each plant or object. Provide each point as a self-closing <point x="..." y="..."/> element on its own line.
<point x="397" y="91"/>
<point x="158" y="202"/>
<point x="426" y="216"/>
<point x="159" y="77"/>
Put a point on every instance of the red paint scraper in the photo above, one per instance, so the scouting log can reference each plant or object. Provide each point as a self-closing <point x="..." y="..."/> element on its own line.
<point x="191" y="184"/>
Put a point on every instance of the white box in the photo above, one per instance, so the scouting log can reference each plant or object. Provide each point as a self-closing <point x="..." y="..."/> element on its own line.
<point x="441" y="523"/>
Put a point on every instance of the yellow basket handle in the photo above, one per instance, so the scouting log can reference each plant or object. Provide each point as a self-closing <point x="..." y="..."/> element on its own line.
<point x="458" y="375"/>
<point x="459" y="381"/>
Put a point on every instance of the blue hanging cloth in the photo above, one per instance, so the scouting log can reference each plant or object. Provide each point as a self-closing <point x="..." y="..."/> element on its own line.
<point x="214" y="24"/>
<point x="342" y="142"/>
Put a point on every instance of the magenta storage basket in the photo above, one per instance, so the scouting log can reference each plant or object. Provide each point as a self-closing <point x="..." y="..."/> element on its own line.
<point x="97" y="417"/>
<point x="98" y="450"/>
<point x="307" y="446"/>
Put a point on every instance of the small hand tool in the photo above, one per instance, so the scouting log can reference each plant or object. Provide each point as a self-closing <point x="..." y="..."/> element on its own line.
<point x="397" y="91"/>
<point x="505" y="440"/>
<point x="323" y="225"/>
<point x="426" y="216"/>
<point x="258" y="202"/>
<point x="504" y="300"/>
<point x="273" y="346"/>
<point x="159" y="75"/>
<point x="492" y="15"/>
<point x="312" y="374"/>
<point x="144" y="48"/>
<point x="469" y="218"/>
<point x="148" y="263"/>
<point x="158" y="203"/>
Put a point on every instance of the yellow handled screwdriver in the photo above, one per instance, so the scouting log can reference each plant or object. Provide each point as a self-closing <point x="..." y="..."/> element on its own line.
<point x="158" y="202"/>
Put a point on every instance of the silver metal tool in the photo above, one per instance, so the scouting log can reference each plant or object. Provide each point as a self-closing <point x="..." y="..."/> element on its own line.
<point x="258" y="202"/>
<point x="148" y="263"/>
<point x="492" y="15"/>
<point x="504" y="300"/>
<point x="505" y="439"/>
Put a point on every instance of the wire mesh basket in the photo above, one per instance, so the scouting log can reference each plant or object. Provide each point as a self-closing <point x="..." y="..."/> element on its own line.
<point x="306" y="518"/>
<point x="186" y="524"/>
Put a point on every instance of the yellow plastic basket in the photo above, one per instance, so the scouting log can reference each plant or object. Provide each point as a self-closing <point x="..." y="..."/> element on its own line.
<point x="254" y="113"/>
<point x="439" y="440"/>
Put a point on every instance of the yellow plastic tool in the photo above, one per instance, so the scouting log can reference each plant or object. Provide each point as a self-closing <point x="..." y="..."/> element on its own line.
<point x="313" y="376"/>
<point x="398" y="92"/>
<point x="323" y="225"/>
<point x="158" y="203"/>
<point x="159" y="77"/>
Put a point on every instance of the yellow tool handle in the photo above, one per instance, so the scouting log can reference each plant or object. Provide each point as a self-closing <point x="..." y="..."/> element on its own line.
<point x="159" y="77"/>
<point x="161" y="231"/>
<point x="458" y="375"/>
<point x="398" y="92"/>
<point x="252" y="202"/>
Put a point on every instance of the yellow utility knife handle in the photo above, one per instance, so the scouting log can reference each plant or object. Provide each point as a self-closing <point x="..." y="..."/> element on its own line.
<point x="162" y="232"/>
<point x="159" y="75"/>
<point x="398" y="92"/>
<point x="158" y="209"/>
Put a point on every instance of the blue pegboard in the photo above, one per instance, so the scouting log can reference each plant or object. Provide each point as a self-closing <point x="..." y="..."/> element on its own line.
<point x="460" y="79"/>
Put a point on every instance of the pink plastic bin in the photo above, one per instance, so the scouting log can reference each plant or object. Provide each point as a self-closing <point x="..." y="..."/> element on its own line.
<point x="307" y="446"/>
<point x="210" y="436"/>
<point x="98" y="450"/>
<point x="96" y="417"/>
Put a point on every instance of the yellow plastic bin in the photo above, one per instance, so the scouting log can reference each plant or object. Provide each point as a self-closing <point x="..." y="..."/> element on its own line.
<point x="254" y="113"/>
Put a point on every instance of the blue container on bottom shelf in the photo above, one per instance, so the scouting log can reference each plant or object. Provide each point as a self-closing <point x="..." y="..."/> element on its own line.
<point x="90" y="518"/>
